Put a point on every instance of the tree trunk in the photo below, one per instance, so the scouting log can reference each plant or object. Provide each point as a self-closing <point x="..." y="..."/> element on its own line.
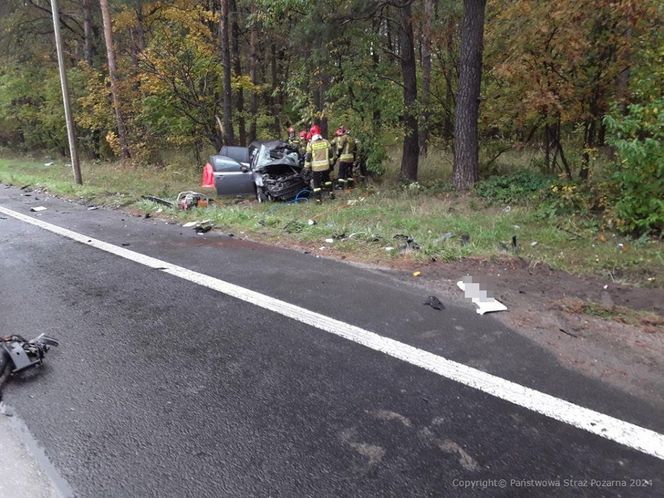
<point x="410" y="156"/>
<point x="112" y="74"/>
<point x="229" y="138"/>
<point x="86" y="5"/>
<point x="426" y="73"/>
<point x="276" y="126"/>
<point x="237" y="69"/>
<point x="466" y="146"/>
<point x="253" y="74"/>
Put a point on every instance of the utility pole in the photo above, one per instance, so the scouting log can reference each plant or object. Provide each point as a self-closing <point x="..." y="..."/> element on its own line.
<point x="65" y="95"/>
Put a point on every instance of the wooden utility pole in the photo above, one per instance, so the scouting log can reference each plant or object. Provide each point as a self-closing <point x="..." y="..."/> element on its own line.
<point x="71" y="135"/>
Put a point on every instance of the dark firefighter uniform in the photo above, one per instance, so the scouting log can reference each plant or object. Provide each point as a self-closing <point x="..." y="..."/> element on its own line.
<point x="318" y="158"/>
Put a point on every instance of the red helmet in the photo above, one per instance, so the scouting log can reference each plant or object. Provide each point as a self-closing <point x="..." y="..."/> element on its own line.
<point x="309" y="135"/>
<point x="315" y="129"/>
<point x="303" y="134"/>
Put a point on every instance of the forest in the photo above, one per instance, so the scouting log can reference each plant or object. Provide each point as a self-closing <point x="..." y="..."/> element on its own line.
<point x="576" y="84"/>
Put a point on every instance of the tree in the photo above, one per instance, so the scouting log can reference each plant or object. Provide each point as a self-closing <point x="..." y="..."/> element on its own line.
<point x="410" y="155"/>
<point x="466" y="146"/>
<point x="112" y="74"/>
<point x="229" y="138"/>
<point x="426" y="72"/>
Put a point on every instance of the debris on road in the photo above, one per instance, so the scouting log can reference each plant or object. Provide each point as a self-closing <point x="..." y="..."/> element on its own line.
<point x="434" y="302"/>
<point x="568" y="333"/>
<point x="533" y="243"/>
<point x="329" y="241"/>
<point x="18" y="354"/>
<point x="93" y="208"/>
<point x="417" y="274"/>
<point x="203" y="227"/>
<point x="479" y="296"/>
<point x="190" y="224"/>
<point x="37" y="209"/>
<point x="389" y="248"/>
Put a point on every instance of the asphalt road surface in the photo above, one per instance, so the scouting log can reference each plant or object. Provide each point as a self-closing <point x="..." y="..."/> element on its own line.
<point x="163" y="386"/>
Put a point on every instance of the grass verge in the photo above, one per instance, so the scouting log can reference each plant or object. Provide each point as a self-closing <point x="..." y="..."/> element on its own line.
<point x="363" y="224"/>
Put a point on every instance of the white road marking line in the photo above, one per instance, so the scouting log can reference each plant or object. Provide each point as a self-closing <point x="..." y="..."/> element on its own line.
<point x="631" y="435"/>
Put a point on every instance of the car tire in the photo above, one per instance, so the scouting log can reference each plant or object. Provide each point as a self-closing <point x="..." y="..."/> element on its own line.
<point x="261" y="196"/>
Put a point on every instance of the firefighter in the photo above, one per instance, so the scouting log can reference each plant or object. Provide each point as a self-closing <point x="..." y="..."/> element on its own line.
<point x="302" y="148"/>
<point x="345" y="151"/>
<point x="318" y="157"/>
<point x="292" y="138"/>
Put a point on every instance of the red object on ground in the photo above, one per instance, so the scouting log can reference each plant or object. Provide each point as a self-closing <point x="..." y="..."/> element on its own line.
<point x="208" y="176"/>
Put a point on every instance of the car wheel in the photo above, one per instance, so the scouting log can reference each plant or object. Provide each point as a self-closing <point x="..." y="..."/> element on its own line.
<point x="261" y="196"/>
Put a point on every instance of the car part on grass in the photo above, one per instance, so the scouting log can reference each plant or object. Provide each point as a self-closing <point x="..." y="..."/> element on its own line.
<point x="159" y="200"/>
<point x="189" y="200"/>
<point x="408" y="243"/>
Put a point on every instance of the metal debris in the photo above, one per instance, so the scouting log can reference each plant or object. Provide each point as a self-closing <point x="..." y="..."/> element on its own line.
<point x="37" y="209"/>
<point x="434" y="302"/>
<point x="479" y="297"/>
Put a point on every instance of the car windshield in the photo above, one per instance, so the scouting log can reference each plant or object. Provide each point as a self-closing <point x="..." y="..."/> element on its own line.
<point x="267" y="155"/>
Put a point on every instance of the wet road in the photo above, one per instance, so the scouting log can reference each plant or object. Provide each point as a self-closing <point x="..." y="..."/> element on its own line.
<point x="163" y="387"/>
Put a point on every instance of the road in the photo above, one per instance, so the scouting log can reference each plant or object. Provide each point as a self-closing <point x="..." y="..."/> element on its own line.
<point x="166" y="385"/>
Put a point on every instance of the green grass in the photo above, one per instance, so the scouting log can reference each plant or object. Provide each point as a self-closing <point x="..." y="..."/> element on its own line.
<point x="368" y="225"/>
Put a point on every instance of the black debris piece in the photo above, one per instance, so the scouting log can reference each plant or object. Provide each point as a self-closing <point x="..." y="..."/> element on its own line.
<point x="125" y="244"/>
<point x="434" y="302"/>
<point x="465" y="239"/>
<point x="408" y="243"/>
<point x="568" y="333"/>
<point x="147" y="215"/>
<point x="159" y="200"/>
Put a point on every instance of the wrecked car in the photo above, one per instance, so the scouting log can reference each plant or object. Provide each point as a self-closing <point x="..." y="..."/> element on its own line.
<point x="271" y="171"/>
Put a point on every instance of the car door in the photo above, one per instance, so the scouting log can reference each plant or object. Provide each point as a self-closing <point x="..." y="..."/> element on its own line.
<point x="231" y="177"/>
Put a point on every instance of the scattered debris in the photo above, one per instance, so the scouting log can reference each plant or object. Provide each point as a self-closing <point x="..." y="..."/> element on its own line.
<point x="465" y="239"/>
<point x="311" y="222"/>
<point x="417" y="274"/>
<point x="21" y="354"/>
<point x="434" y="302"/>
<point x="568" y="333"/>
<point x="25" y="186"/>
<point x="480" y="298"/>
<point x="443" y="238"/>
<point x="147" y="215"/>
<point x="515" y="245"/>
<point x="159" y="200"/>
<point x="203" y="227"/>
<point x="389" y="248"/>
<point x="199" y="226"/>
<point x="408" y="243"/>
<point x="37" y="209"/>
<point x="507" y="209"/>
<point x="50" y="163"/>
<point x="329" y="241"/>
<point x="93" y="208"/>
<point x="125" y="244"/>
<point x="190" y="199"/>
<point x="533" y="243"/>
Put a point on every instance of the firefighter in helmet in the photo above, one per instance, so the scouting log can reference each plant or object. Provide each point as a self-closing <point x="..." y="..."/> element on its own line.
<point x="345" y="151"/>
<point x="318" y="158"/>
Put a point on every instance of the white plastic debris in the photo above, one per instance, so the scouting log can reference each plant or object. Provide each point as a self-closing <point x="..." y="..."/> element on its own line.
<point x="389" y="248"/>
<point x="190" y="224"/>
<point x="479" y="297"/>
<point x="37" y="209"/>
<point x="533" y="243"/>
<point x="311" y="222"/>
<point x="93" y="208"/>
<point x="50" y="163"/>
<point x="329" y="241"/>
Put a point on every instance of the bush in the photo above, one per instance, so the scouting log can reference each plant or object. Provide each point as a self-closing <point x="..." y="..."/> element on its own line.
<point x="638" y="177"/>
<point x="521" y="187"/>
